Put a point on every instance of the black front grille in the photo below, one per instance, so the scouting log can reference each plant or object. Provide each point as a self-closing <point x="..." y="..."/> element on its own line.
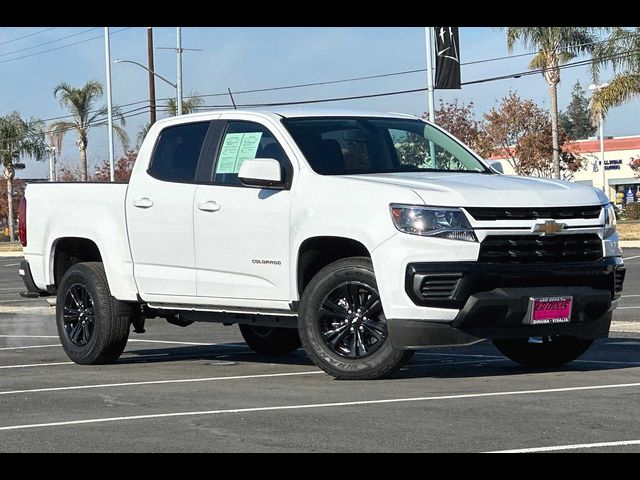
<point x="540" y="249"/>
<point x="618" y="279"/>
<point x="481" y="213"/>
<point x="439" y="286"/>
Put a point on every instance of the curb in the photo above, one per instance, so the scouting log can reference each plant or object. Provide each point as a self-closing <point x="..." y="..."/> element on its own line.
<point x="11" y="254"/>
<point x="629" y="243"/>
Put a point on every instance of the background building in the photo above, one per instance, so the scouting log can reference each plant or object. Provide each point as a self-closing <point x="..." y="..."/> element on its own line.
<point x="623" y="185"/>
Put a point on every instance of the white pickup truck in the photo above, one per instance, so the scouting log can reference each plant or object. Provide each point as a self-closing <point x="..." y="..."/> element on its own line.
<point x="364" y="236"/>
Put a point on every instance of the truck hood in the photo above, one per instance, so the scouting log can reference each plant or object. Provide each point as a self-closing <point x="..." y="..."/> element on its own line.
<point x="488" y="190"/>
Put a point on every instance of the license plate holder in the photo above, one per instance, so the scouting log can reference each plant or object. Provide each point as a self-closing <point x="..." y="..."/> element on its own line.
<point x="549" y="310"/>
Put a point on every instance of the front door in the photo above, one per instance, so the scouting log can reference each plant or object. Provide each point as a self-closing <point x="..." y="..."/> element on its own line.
<point x="242" y="233"/>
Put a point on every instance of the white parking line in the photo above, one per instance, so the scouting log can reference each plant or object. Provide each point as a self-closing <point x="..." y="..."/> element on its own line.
<point x="30" y="346"/>
<point x="631" y="258"/>
<point x="36" y="365"/>
<point x="627" y="296"/>
<point x="626" y="308"/>
<point x="170" y="342"/>
<point x="28" y="336"/>
<point x="577" y="446"/>
<point x="316" y="405"/>
<point x="158" y="382"/>
<point x="11" y="265"/>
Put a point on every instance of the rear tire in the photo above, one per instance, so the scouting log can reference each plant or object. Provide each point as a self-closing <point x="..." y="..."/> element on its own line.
<point x="342" y="326"/>
<point x="545" y="353"/>
<point x="92" y="325"/>
<point x="270" y="341"/>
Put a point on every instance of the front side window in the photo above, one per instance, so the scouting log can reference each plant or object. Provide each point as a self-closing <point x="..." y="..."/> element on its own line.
<point x="175" y="157"/>
<point x="243" y="141"/>
<point x="345" y="145"/>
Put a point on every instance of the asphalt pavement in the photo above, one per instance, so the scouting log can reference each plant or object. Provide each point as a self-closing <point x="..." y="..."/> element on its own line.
<point x="201" y="389"/>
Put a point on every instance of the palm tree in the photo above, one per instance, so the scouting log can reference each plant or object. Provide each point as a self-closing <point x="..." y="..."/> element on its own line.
<point x="189" y="105"/>
<point x="555" y="46"/>
<point x="18" y="138"/>
<point x="142" y="133"/>
<point x="81" y="104"/>
<point x="622" y="52"/>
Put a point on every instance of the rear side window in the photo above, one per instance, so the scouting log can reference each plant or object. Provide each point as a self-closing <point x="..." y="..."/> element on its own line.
<point x="175" y="157"/>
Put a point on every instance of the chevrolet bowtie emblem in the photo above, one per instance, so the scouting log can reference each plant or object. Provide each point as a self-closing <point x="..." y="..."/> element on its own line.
<point x="549" y="227"/>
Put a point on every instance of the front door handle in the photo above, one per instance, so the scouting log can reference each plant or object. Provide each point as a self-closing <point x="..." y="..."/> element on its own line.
<point x="143" y="203"/>
<point x="209" y="206"/>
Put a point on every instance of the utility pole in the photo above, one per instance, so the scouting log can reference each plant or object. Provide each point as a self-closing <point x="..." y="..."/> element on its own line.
<point x="107" y="54"/>
<point x="152" y="83"/>
<point x="179" y="62"/>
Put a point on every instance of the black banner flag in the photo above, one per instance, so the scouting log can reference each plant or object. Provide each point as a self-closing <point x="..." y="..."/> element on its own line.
<point x="447" y="58"/>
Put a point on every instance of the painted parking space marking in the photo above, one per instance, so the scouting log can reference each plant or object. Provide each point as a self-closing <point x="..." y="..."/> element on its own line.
<point x="631" y="258"/>
<point x="4" y="367"/>
<point x="158" y="382"/>
<point x="30" y="346"/>
<point x="576" y="446"/>
<point x="131" y="418"/>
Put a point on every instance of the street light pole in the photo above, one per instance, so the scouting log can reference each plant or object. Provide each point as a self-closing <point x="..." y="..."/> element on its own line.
<point x="428" y="33"/>
<point x="52" y="163"/>
<point x="605" y="187"/>
<point x="107" y="52"/>
<point x="179" y="66"/>
<point x="604" y="181"/>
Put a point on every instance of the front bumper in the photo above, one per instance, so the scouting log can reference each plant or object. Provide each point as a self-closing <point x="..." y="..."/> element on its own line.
<point x="492" y="300"/>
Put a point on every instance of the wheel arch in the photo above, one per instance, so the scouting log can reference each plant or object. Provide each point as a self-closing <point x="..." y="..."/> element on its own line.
<point x="315" y="253"/>
<point x="66" y="252"/>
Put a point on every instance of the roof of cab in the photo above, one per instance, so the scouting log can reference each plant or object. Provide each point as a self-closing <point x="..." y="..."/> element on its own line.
<point x="288" y="112"/>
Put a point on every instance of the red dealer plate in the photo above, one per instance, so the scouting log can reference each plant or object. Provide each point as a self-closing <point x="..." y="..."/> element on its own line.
<point x="544" y="310"/>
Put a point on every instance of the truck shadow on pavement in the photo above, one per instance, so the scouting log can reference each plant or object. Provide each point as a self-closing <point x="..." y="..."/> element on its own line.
<point x="482" y="360"/>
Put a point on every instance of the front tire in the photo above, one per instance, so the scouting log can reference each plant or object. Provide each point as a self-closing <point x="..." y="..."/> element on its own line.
<point x="92" y="325"/>
<point x="270" y="341"/>
<point x="544" y="352"/>
<point x="342" y="326"/>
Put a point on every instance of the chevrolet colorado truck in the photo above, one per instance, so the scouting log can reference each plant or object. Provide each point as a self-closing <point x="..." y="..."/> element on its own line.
<point x="361" y="236"/>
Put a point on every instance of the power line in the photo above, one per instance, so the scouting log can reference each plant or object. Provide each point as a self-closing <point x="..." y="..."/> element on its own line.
<point x="48" y="42"/>
<point x="368" y="77"/>
<point x="63" y="46"/>
<point x="27" y="36"/>
<point x="415" y="90"/>
<point x="351" y="79"/>
<point x="354" y="97"/>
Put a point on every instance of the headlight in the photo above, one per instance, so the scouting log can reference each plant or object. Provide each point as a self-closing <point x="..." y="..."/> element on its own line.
<point x="609" y="220"/>
<point x="432" y="221"/>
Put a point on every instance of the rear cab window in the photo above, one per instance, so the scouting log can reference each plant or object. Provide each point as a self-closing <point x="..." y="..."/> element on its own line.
<point x="177" y="150"/>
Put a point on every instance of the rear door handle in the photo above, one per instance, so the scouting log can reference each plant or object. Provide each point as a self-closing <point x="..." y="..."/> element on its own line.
<point x="143" y="203"/>
<point x="209" y="206"/>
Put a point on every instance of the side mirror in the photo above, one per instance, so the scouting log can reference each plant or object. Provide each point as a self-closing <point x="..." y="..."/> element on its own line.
<point x="496" y="165"/>
<point x="261" y="172"/>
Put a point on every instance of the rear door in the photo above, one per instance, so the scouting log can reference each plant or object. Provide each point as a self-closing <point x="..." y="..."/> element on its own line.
<point x="159" y="209"/>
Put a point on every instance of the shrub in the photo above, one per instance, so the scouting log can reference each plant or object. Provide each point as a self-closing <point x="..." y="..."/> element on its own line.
<point x="632" y="211"/>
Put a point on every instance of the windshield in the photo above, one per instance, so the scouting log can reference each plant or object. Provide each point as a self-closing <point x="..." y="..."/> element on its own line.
<point x="356" y="145"/>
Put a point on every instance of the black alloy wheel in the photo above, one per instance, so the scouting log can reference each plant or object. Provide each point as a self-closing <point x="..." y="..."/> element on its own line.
<point x="351" y="320"/>
<point x="79" y="315"/>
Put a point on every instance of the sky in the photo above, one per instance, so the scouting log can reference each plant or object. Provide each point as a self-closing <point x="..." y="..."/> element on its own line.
<point x="252" y="57"/>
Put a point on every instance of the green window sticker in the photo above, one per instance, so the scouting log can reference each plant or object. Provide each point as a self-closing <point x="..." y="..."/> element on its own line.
<point x="236" y="148"/>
